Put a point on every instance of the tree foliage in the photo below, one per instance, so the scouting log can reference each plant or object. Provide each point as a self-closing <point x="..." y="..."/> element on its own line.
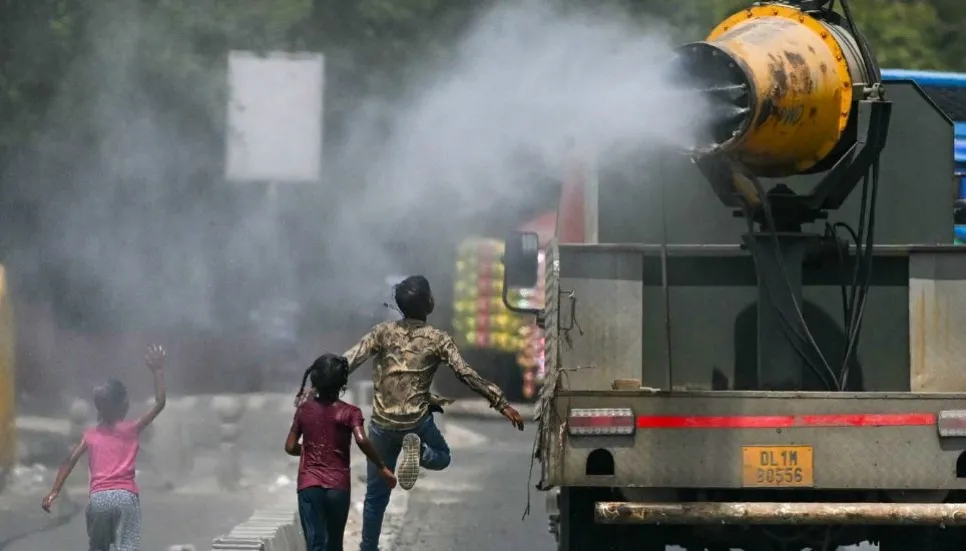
<point x="370" y="44"/>
<point x="68" y="62"/>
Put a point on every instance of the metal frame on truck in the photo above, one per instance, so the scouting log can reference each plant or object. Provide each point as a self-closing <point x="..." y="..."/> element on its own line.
<point x="706" y="383"/>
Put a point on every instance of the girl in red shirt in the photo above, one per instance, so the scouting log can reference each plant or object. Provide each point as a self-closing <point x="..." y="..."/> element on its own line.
<point x="326" y="426"/>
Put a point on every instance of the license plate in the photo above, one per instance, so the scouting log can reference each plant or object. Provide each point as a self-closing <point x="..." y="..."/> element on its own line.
<point x="777" y="467"/>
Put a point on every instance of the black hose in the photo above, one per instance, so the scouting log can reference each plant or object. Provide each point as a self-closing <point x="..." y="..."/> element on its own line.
<point x="870" y="64"/>
<point x="788" y="328"/>
<point x="773" y="230"/>
<point x="864" y="256"/>
<point x="867" y="284"/>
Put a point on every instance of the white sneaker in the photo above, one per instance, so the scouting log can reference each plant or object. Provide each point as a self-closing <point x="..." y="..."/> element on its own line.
<point x="408" y="469"/>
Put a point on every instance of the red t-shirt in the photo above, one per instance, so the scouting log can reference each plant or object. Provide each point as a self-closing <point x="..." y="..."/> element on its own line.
<point x="326" y="431"/>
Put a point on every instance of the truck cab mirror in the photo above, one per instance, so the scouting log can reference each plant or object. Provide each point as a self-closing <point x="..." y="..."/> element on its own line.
<point x="959" y="212"/>
<point x="521" y="257"/>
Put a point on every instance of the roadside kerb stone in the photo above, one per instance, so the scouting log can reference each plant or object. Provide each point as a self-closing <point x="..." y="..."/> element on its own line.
<point x="273" y="529"/>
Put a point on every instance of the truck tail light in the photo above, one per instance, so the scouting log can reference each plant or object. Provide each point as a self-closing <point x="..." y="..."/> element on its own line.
<point x="952" y="423"/>
<point x="601" y="422"/>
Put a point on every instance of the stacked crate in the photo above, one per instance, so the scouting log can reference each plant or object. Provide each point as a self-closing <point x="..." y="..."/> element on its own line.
<point x="480" y="318"/>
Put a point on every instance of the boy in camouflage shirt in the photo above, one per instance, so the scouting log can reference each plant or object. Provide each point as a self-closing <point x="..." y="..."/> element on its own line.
<point x="407" y="353"/>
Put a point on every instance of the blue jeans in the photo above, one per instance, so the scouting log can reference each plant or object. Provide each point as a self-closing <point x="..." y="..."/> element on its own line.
<point x="435" y="457"/>
<point x="323" y="513"/>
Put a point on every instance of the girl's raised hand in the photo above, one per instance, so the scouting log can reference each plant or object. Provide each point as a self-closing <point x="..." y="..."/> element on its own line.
<point x="155" y="357"/>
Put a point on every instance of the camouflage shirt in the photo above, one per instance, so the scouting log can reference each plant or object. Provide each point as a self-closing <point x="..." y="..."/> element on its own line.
<point x="407" y="353"/>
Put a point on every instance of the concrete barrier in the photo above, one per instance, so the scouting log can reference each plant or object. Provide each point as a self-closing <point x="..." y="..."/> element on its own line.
<point x="273" y="529"/>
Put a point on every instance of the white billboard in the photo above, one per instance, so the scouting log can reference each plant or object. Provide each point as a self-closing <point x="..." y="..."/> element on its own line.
<point x="274" y="132"/>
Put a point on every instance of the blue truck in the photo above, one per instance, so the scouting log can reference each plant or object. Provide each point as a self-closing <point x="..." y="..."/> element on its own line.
<point x="948" y="91"/>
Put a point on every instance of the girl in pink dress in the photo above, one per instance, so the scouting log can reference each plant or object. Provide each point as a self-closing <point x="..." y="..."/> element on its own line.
<point x="114" y="511"/>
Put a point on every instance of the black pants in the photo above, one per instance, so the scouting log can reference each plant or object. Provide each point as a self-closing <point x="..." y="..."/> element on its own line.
<point x="323" y="513"/>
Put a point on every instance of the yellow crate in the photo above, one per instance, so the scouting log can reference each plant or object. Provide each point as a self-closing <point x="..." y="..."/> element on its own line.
<point x="8" y="431"/>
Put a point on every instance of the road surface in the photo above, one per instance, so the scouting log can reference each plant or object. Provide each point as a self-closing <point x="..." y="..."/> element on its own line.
<point x="167" y="520"/>
<point x="478" y="502"/>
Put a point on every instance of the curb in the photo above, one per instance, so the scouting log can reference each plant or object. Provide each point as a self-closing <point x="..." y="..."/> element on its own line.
<point x="272" y="529"/>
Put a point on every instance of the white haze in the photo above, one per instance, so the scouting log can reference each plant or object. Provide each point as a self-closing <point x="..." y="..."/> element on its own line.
<point x="532" y="88"/>
<point x="144" y="222"/>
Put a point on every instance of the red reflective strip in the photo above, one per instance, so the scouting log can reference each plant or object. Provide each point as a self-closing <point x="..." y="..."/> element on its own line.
<point x="600" y="421"/>
<point x="786" y="421"/>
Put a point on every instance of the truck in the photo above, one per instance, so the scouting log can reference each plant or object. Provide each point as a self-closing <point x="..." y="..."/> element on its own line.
<point x="948" y="90"/>
<point x="755" y="342"/>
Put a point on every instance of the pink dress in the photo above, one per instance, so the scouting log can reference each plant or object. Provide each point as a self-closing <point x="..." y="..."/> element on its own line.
<point x="114" y="511"/>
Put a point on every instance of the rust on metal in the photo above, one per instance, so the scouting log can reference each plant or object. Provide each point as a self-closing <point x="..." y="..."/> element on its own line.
<point x="936" y="345"/>
<point x="626" y="384"/>
<point x="801" y="87"/>
<point x="908" y="514"/>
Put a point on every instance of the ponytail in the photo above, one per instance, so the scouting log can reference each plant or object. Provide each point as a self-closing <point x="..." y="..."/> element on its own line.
<point x="344" y="365"/>
<point x="305" y="378"/>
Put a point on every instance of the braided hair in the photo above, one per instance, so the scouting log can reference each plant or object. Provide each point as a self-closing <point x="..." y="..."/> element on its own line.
<point x="329" y="375"/>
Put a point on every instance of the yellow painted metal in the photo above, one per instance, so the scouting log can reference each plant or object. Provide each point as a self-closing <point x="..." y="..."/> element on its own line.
<point x="8" y="429"/>
<point x="802" y="88"/>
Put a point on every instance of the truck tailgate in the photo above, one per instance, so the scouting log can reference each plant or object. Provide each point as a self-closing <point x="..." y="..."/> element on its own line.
<point x="737" y="439"/>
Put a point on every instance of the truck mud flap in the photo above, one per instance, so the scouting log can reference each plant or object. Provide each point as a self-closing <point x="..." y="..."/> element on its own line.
<point x="799" y="514"/>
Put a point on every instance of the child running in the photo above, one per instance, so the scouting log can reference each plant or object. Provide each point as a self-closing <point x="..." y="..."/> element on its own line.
<point x="114" y="511"/>
<point x="326" y="424"/>
<point x="407" y="353"/>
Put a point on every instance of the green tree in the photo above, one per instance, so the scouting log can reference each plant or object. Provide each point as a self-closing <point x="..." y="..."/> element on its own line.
<point x="36" y="43"/>
<point x="902" y="33"/>
<point x="949" y="37"/>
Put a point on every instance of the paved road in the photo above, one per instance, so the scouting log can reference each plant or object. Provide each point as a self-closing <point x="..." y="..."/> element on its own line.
<point x="168" y="519"/>
<point x="478" y="502"/>
<point x="193" y="513"/>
